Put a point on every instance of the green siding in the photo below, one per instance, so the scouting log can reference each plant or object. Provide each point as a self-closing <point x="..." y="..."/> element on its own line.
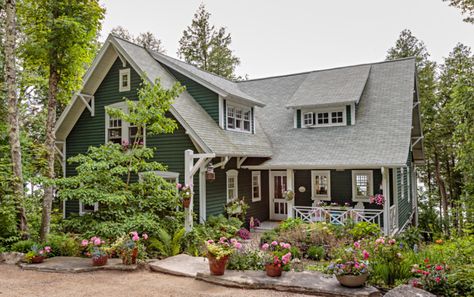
<point x="348" y="115"/>
<point x="404" y="204"/>
<point x="205" y="97"/>
<point x="90" y="131"/>
<point x="298" y="118"/>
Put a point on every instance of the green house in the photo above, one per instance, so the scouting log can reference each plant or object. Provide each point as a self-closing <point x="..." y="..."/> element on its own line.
<point x="333" y="137"/>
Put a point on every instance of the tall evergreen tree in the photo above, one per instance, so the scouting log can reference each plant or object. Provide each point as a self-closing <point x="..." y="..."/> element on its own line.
<point x="467" y="8"/>
<point x="207" y="48"/>
<point x="60" y="38"/>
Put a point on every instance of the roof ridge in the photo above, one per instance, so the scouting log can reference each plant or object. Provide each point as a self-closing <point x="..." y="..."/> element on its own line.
<point x="326" y="69"/>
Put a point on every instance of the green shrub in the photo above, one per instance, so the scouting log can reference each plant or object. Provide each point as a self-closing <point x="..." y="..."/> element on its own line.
<point x="364" y="230"/>
<point x="246" y="260"/>
<point x="63" y="245"/>
<point x="268" y="236"/>
<point x="166" y="244"/>
<point x="22" y="246"/>
<point x="461" y="281"/>
<point x="289" y="224"/>
<point x="315" y="252"/>
<point x="410" y="237"/>
<point x="295" y="252"/>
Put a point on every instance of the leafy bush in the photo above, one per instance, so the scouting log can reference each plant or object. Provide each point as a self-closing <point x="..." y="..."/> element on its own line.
<point x="289" y="224"/>
<point x="22" y="246"/>
<point x="246" y="260"/>
<point x="295" y="252"/>
<point x="461" y="281"/>
<point x="410" y="237"/>
<point x="364" y="230"/>
<point x="167" y="245"/>
<point x="315" y="252"/>
<point x="63" y="245"/>
<point x="269" y="236"/>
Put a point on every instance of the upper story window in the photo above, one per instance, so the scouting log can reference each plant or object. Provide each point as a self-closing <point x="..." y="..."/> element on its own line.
<point x="239" y="118"/>
<point x="124" y="80"/>
<point x="324" y="117"/>
<point x="119" y="131"/>
<point x="362" y="185"/>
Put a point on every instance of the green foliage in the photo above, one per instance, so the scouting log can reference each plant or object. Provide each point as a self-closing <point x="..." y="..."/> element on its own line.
<point x="63" y="245"/>
<point x="22" y="246"/>
<point x="316" y="252"/>
<point x="364" y="230"/>
<point x="246" y="260"/>
<point x="461" y="281"/>
<point x="295" y="252"/>
<point x="166" y="244"/>
<point x="269" y="236"/>
<point x="410" y="237"/>
<point x="289" y="224"/>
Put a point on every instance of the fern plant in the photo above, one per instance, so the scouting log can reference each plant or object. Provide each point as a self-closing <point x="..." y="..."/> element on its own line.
<point x="166" y="244"/>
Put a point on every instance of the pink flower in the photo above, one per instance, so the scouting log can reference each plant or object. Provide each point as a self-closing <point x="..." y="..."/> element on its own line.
<point x="439" y="267"/>
<point x="282" y="244"/>
<point x="97" y="241"/>
<point x="356" y="265"/>
<point x="286" y="258"/>
<point x="179" y="186"/>
<point x="84" y="242"/>
<point x="391" y="241"/>
<point x="437" y="279"/>
<point x="287" y="246"/>
<point x="238" y="245"/>
<point x="357" y="244"/>
<point x="274" y="243"/>
<point x="145" y="236"/>
<point x="41" y="252"/>
<point x="47" y="249"/>
<point x="233" y="240"/>
<point x="265" y="246"/>
<point x="125" y="142"/>
<point x="365" y="254"/>
<point x="134" y="233"/>
<point x="222" y="240"/>
<point x="210" y="241"/>
<point x="380" y="240"/>
<point x="135" y="237"/>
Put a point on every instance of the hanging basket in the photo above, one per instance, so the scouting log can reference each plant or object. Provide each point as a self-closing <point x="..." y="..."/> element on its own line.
<point x="186" y="203"/>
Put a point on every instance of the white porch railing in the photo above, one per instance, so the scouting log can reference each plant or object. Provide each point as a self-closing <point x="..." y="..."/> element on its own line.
<point x="338" y="216"/>
<point x="393" y="214"/>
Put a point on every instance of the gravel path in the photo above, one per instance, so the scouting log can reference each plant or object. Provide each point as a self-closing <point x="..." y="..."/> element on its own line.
<point x="15" y="282"/>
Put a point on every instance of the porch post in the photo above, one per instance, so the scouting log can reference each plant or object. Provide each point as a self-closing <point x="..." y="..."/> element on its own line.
<point x="188" y="180"/>
<point x="202" y="192"/>
<point x="290" y="186"/>
<point x="386" y="205"/>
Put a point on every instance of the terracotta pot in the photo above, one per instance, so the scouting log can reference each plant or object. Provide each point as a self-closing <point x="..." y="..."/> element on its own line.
<point x="130" y="259"/>
<point x="37" y="259"/>
<point x="186" y="203"/>
<point x="352" y="281"/>
<point x="273" y="270"/>
<point x="217" y="267"/>
<point x="99" y="261"/>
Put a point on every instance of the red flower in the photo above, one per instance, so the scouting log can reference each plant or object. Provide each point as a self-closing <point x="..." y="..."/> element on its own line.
<point x="439" y="267"/>
<point x="438" y="279"/>
<point x="427" y="260"/>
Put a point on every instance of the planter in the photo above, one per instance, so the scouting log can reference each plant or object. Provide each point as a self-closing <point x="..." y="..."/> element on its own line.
<point x="273" y="270"/>
<point x="99" y="261"/>
<point x="130" y="258"/>
<point x="217" y="267"/>
<point x="186" y="203"/>
<point x="37" y="259"/>
<point x="235" y="211"/>
<point x="352" y="281"/>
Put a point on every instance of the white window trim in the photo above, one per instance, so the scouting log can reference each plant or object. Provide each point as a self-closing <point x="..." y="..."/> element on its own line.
<point x="234" y="174"/>
<point x="244" y="109"/>
<point x="123" y="72"/>
<point x="315" y="196"/>
<point x="163" y="174"/>
<point x="312" y="118"/>
<point x="125" y="125"/>
<point x="259" y="176"/>
<point x="370" y="185"/>
<point x="83" y="212"/>
<point x="329" y="111"/>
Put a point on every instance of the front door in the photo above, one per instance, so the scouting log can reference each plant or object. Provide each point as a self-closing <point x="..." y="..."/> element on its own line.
<point x="278" y="204"/>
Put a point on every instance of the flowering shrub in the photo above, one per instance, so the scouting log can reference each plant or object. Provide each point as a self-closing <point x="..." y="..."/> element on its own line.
<point x="351" y="261"/>
<point x="388" y="261"/>
<point x="129" y="246"/>
<point x="431" y="277"/>
<point x="243" y="233"/>
<point x="222" y="248"/>
<point x="277" y="253"/>
<point x="378" y="199"/>
<point x="94" y="247"/>
<point x="38" y="251"/>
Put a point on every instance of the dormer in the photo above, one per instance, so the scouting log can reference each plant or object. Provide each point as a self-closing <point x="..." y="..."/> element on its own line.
<point x="329" y="97"/>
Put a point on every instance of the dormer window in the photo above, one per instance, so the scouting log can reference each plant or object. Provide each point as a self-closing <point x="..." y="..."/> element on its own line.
<point x="239" y="118"/>
<point x="124" y="80"/>
<point x="324" y="117"/>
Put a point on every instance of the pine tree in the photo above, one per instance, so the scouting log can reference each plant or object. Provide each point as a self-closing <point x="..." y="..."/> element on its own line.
<point x="207" y="48"/>
<point x="147" y="39"/>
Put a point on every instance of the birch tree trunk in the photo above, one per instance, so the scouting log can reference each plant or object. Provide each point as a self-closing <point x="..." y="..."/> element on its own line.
<point x="443" y="193"/>
<point x="13" y="121"/>
<point x="50" y="150"/>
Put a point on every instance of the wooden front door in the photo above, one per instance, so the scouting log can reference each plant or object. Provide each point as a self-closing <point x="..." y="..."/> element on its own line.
<point x="278" y="204"/>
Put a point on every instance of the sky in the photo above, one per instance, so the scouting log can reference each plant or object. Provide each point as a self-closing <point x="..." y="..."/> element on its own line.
<point x="274" y="37"/>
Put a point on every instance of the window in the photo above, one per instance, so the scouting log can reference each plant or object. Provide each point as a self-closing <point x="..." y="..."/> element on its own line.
<point x="256" y="186"/>
<point x="362" y="185"/>
<point x="321" y="185"/>
<point x="124" y="80"/>
<point x="87" y="208"/>
<point x="238" y="118"/>
<point x="119" y="131"/>
<point x="232" y="184"/>
<point x="114" y="130"/>
<point x="324" y="117"/>
<point x="308" y="119"/>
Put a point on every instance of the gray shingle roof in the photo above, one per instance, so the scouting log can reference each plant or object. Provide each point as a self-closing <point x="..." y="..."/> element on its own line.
<point x="333" y="86"/>
<point x="380" y="137"/>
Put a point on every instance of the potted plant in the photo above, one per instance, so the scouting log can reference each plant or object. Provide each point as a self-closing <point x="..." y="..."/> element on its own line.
<point x="378" y="199"/>
<point x="185" y="194"/>
<point x="289" y="195"/>
<point x="96" y="250"/>
<point x="218" y="253"/>
<point x="37" y="254"/>
<point x="277" y="257"/>
<point x="129" y="246"/>
<point x="351" y="267"/>
<point x="237" y="208"/>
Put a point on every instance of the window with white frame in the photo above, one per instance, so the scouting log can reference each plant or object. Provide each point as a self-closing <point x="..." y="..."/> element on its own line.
<point x="232" y="184"/>
<point x="87" y="208"/>
<point x="124" y="80"/>
<point x="324" y="117"/>
<point x="256" y="186"/>
<point x="362" y="185"/>
<point x="321" y="185"/>
<point x="239" y="118"/>
<point x="119" y="131"/>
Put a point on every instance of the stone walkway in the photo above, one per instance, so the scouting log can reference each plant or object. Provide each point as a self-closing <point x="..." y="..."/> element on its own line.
<point x="76" y="264"/>
<point x="311" y="283"/>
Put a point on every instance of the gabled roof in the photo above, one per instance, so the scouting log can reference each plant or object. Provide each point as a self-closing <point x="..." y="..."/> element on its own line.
<point x="380" y="136"/>
<point x="331" y="87"/>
